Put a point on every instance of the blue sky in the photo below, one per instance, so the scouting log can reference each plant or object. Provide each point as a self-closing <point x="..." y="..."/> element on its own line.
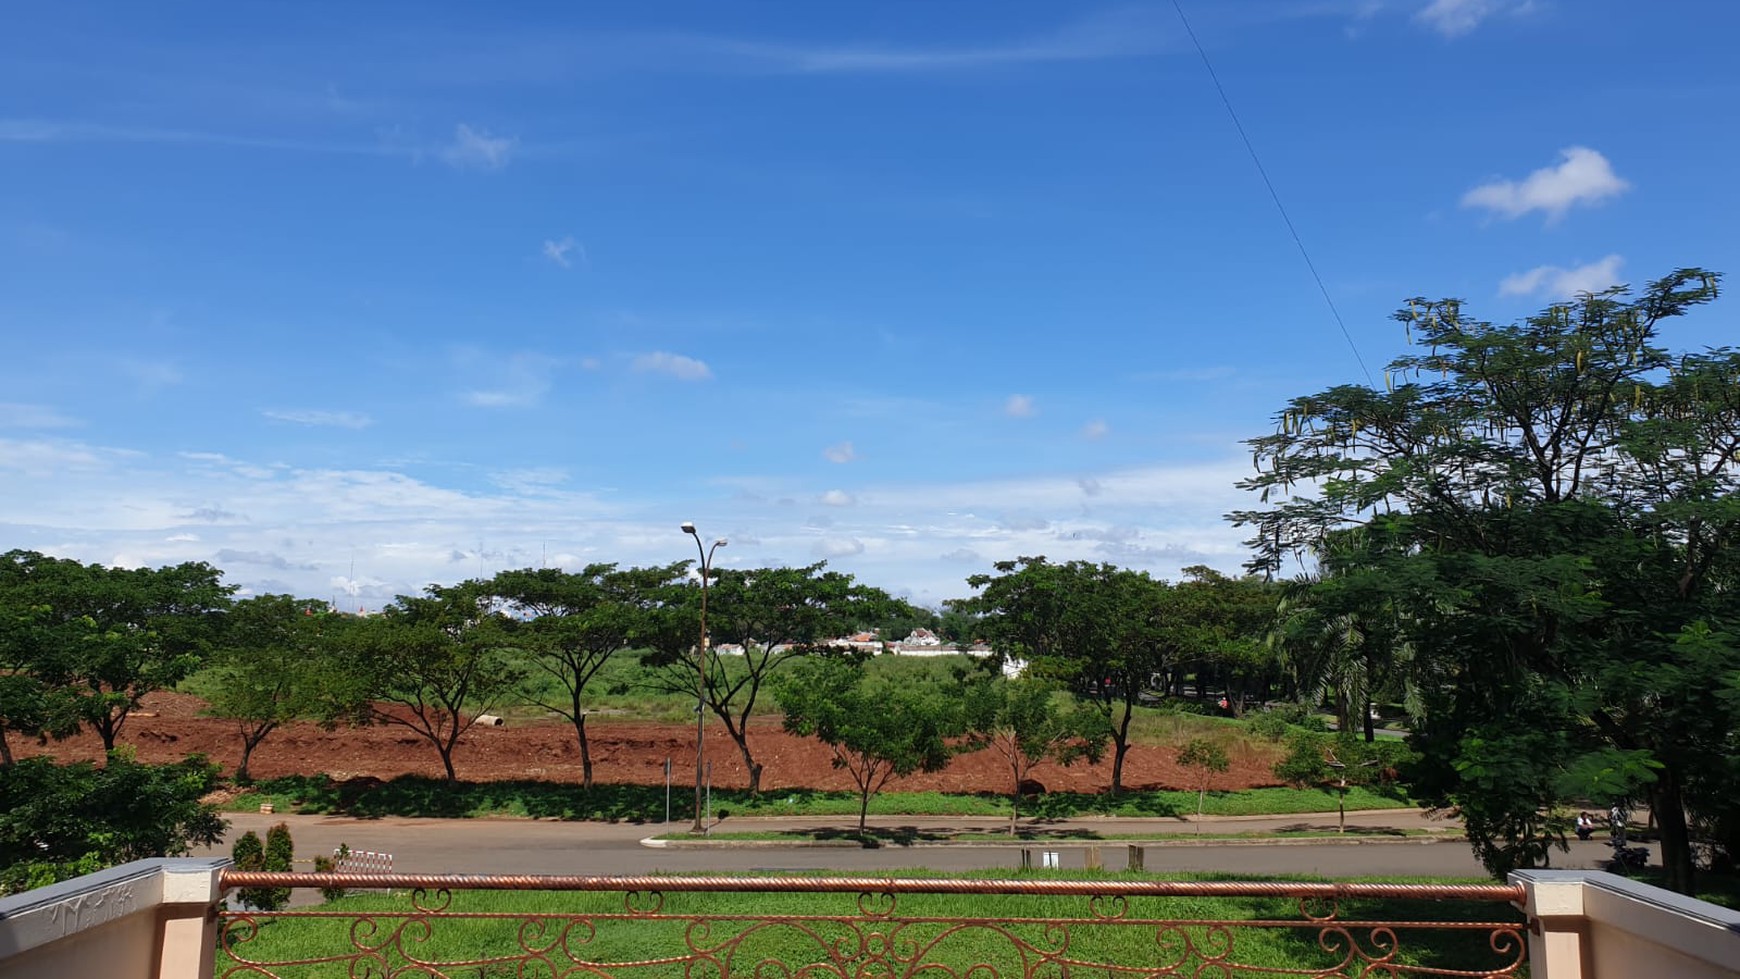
<point x="348" y="298"/>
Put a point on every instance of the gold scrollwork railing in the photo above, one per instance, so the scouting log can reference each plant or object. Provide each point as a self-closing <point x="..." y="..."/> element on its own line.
<point x="869" y="928"/>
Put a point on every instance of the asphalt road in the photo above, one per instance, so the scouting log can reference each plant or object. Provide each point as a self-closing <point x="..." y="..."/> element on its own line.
<point x="545" y="847"/>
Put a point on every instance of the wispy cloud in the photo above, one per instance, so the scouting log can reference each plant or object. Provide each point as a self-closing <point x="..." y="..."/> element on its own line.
<point x="558" y="251"/>
<point x="51" y="131"/>
<point x="519" y="381"/>
<point x="153" y="375"/>
<point x="841" y="452"/>
<point x="676" y="365"/>
<point x="14" y="415"/>
<point x="321" y="417"/>
<point x="477" y="149"/>
<point x="1020" y="406"/>
<point x="836" y="497"/>
<point x="1454" y="18"/>
<point x="1562" y="283"/>
<point x="1095" y="430"/>
<point x="1583" y="176"/>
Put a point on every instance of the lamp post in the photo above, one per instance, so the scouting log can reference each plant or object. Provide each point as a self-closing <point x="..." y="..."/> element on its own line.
<point x="701" y="672"/>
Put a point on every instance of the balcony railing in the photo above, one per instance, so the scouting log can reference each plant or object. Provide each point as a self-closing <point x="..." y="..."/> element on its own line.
<point x="870" y="928"/>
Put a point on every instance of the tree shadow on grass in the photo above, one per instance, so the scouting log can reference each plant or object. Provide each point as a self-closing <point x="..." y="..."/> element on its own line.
<point x="420" y="796"/>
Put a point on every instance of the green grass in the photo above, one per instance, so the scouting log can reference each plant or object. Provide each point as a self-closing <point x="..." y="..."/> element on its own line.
<point x="414" y="795"/>
<point x="855" y="948"/>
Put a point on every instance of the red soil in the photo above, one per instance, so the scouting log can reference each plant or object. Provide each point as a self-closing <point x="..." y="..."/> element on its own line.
<point x="168" y="727"/>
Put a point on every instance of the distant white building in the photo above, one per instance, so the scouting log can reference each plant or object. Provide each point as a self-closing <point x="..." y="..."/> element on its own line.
<point x="920" y="637"/>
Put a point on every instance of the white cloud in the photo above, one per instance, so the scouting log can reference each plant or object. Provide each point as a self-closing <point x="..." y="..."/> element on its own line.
<point x="1095" y="430"/>
<point x="1559" y="283"/>
<point x="557" y="251"/>
<point x="476" y="149"/>
<point x="842" y="452"/>
<point x="1582" y="177"/>
<point x="517" y="381"/>
<point x="829" y="548"/>
<point x="676" y="365"/>
<point x="1019" y="406"/>
<point x="297" y="529"/>
<point x="14" y="415"/>
<point x="1454" y="18"/>
<point x="316" y="416"/>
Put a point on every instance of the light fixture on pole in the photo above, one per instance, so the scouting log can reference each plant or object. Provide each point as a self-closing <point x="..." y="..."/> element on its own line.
<point x="701" y="672"/>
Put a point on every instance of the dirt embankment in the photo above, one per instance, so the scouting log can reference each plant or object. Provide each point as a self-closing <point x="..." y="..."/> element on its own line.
<point x="168" y="727"/>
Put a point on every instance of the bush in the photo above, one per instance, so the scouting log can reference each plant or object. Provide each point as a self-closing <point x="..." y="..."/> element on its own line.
<point x="329" y="865"/>
<point x="60" y="821"/>
<point x="1268" y="725"/>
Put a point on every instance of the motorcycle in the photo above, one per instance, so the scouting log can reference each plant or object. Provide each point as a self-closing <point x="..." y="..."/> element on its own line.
<point x="1626" y="858"/>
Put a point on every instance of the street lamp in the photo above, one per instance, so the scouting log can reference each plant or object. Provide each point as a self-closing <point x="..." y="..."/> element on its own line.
<point x="701" y="671"/>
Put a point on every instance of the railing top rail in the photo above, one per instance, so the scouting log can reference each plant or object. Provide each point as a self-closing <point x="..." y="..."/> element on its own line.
<point x="882" y="885"/>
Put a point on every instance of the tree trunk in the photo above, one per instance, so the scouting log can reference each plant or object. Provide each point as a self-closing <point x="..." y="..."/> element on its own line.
<point x="5" y="749"/>
<point x="250" y="741"/>
<point x="1669" y="809"/>
<point x="446" y="750"/>
<point x="585" y="750"/>
<point x="863" y="808"/>
<point x="1370" y="730"/>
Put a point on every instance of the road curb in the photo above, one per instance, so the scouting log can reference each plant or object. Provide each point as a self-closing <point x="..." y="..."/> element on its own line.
<point x="654" y="842"/>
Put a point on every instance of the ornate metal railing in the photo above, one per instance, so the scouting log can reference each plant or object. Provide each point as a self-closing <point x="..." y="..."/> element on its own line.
<point x="870" y="928"/>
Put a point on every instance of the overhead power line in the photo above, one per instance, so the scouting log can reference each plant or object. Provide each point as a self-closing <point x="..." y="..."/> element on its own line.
<point x="1273" y="195"/>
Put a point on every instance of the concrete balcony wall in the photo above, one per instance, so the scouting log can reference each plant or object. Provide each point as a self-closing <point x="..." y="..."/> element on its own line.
<point x="1588" y="925"/>
<point x="150" y="919"/>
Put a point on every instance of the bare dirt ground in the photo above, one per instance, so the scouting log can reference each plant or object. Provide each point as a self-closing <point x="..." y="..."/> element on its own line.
<point x="168" y="727"/>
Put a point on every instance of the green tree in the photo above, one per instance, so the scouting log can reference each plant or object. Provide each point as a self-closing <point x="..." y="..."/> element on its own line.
<point x="1551" y="506"/>
<point x="1023" y="722"/>
<point x="1206" y="758"/>
<point x="58" y="821"/>
<point x="275" y="664"/>
<point x="109" y="636"/>
<point x="432" y="664"/>
<point x="877" y="727"/>
<point x="774" y="616"/>
<point x="35" y="698"/>
<point x="577" y="621"/>
<point x="1097" y="629"/>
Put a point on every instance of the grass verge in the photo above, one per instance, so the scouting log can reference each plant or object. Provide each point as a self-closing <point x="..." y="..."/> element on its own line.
<point x="413" y="795"/>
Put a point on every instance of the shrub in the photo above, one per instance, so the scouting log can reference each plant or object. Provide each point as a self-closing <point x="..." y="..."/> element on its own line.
<point x="329" y="865"/>
<point x="1269" y="725"/>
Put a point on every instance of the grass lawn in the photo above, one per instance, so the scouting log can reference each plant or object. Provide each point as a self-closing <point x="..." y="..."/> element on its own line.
<point x="573" y="926"/>
<point x="413" y="795"/>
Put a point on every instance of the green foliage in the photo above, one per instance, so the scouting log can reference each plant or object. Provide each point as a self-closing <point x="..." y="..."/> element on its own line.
<point x="1537" y="523"/>
<point x="876" y="727"/>
<point x="1268" y="725"/>
<point x="1208" y="758"/>
<point x="1025" y="724"/>
<point x="329" y="865"/>
<point x="774" y="615"/>
<point x="1098" y="630"/>
<point x="89" y="641"/>
<point x="60" y="820"/>
<point x="431" y="664"/>
<point x="274" y="664"/>
<point x="575" y="623"/>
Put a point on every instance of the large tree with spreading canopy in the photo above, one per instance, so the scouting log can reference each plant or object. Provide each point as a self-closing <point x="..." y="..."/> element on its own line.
<point x="1550" y="509"/>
